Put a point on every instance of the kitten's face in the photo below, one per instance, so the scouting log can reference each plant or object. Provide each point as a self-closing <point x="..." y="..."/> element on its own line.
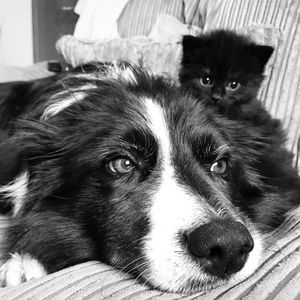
<point x="223" y="66"/>
<point x="226" y="87"/>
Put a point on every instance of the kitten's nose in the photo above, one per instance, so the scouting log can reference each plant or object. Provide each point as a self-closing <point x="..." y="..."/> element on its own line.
<point x="216" y="97"/>
<point x="222" y="245"/>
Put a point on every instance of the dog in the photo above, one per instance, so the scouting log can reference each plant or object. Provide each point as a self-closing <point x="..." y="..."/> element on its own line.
<point x="125" y="167"/>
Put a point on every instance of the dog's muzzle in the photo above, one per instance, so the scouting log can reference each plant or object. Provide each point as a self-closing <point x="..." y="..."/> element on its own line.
<point x="222" y="245"/>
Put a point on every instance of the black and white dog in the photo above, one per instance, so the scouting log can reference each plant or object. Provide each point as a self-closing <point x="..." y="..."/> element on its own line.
<point x="126" y="168"/>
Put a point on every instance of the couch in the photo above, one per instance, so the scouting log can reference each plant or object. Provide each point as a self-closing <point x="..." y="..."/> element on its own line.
<point x="275" y="22"/>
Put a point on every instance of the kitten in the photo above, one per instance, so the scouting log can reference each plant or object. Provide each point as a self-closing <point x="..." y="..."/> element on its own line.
<point x="225" y="67"/>
<point x="225" y="70"/>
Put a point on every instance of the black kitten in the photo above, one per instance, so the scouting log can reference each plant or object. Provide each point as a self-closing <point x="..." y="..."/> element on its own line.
<point x="225" y="67"/>
<point x="225" y="70"/>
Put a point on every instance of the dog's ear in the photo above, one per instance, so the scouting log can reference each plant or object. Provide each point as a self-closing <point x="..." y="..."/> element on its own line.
<point x="48" y="151"/>
<point x="261" y="52"/>
<point x="38" y="144"/>
<point x="36" y="138"/>
<point x="13" y="99"/>
<point x="9" y="159"/>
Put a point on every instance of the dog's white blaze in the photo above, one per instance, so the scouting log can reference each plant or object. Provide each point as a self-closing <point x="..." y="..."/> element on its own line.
<point x="20" y="268"/>
<point x="60" y="103"/>
<point x="16" y="191"/>
<point x="174" y="209"/>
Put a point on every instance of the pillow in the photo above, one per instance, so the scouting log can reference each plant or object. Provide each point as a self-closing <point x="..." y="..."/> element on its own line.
<point x="160" y="57"/>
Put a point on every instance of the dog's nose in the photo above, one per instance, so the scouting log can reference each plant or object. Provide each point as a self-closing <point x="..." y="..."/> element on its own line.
<point x="223" y="245"/>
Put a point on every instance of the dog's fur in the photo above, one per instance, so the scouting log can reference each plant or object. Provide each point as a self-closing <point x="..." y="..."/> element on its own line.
<point x="72" y="131"/>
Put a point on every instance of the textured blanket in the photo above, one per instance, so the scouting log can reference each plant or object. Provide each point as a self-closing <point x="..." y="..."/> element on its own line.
<point x="278" y="277"/>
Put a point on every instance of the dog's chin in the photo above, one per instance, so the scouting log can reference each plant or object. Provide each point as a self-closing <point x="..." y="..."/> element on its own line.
<point x="196" y="280"/>
<point x="187" y="284"/>
<point x="176" y="271"/>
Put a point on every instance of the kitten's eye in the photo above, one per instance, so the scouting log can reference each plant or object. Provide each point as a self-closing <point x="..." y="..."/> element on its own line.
<point x="206" y="81"/>
<point x="121" y="165"/>
<point x="219" y="167"/>
<point x="233" y="85"/>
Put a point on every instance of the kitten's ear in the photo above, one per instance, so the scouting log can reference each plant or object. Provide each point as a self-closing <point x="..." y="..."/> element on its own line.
<point x="261" y="52"/>
<point x="191" y="45"/>
<point x="189" y="41"/>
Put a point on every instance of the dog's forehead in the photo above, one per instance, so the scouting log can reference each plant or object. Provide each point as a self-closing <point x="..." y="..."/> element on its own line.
<point x="138" y="104"/>
<point x="179" y="123"/>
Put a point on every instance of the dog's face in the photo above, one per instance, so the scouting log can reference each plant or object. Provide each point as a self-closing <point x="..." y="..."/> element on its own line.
<point x="156" y="179"/>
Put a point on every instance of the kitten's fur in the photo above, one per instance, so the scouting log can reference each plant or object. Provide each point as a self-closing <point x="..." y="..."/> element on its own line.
<point x="227" y="59"/>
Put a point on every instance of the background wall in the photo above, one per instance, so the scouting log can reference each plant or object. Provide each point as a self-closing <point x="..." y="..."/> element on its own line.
<point x="51" y="20"/>
<point x="16" y="41"/>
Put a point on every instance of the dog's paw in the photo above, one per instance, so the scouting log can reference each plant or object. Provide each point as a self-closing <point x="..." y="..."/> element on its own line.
<point x="20" y="268"/>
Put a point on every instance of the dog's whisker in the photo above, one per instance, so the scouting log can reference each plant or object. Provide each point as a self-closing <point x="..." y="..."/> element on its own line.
<point x="137" y="267"/>
<point x="121" y="270"/>
<point x="147" y="281"/>
<point x="129" y="271"/>
<point x="132" y="262"/>
<point x="58" y="197"/>
<point x="137" y="279"/>
<point x="136" y="241"/>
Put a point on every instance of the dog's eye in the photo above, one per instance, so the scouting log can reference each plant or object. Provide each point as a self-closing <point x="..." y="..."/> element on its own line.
<point x="233" y="85"/>
<point x="219" y="167"/>
<point x="206" y="81"/>
<point x="121" y="165"/>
